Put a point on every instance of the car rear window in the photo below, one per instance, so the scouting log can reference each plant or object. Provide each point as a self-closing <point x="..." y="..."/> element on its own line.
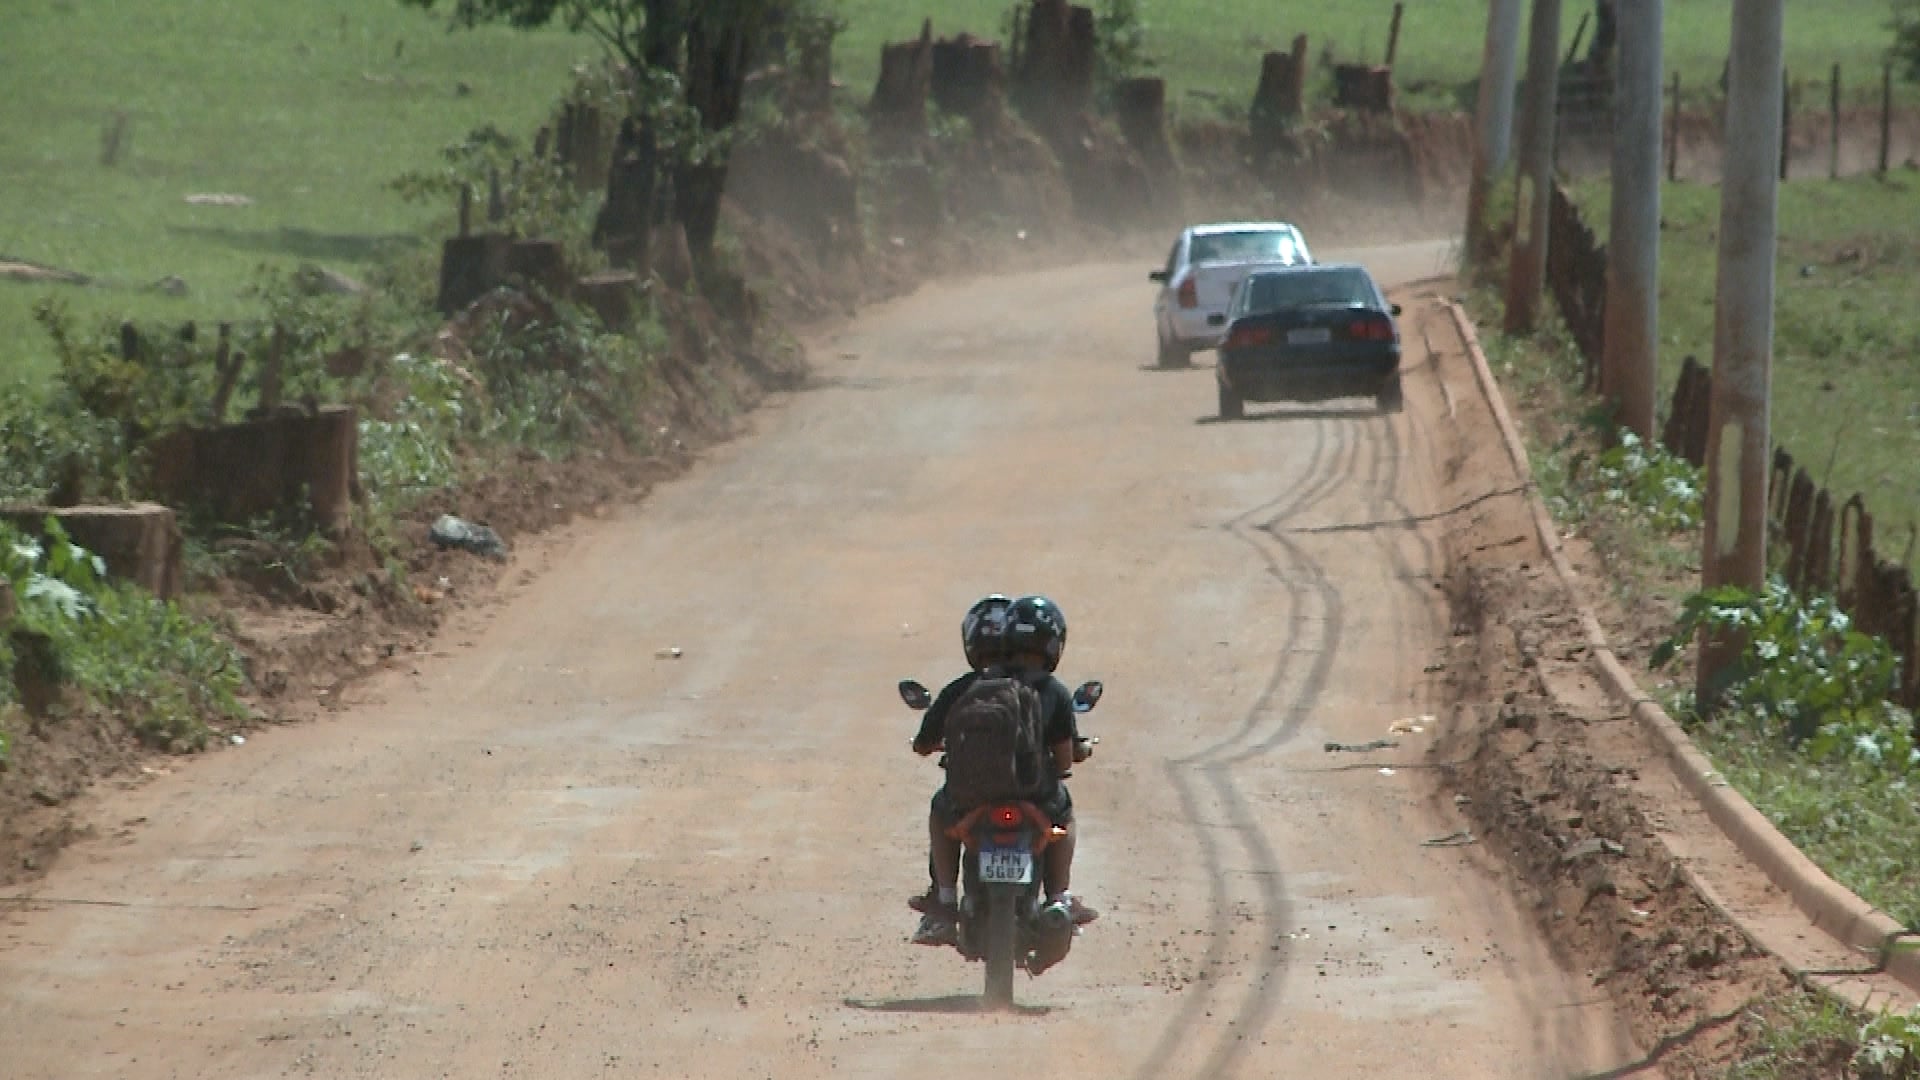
<point x="1299" y="288"/>
<point x="1259" y="244"/>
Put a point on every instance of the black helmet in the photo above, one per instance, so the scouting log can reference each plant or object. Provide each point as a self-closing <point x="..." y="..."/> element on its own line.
<point x="1036" y="624"/>
<point x="983" y="631"/>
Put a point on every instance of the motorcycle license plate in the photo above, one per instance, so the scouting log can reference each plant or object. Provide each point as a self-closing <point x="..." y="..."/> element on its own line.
<point x="1006" y="866"/>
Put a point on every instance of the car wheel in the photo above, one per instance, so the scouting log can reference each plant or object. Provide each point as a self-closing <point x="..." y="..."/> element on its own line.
<point x="1231" y="407"/>
<point x="1172" y="355"/>
<point x="1388" y="397"/>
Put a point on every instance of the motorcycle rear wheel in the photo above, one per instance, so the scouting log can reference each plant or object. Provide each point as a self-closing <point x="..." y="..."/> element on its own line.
<point x="1002" y="940"/>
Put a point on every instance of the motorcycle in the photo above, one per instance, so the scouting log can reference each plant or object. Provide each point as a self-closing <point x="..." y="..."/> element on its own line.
<point x="1004" y="919"/>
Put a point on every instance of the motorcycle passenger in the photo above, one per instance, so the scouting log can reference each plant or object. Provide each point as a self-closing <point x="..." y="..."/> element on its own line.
<point x="1033" y="639"/>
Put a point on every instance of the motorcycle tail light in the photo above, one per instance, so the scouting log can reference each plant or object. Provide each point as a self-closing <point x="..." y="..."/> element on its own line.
<point x="1006" y="817"/>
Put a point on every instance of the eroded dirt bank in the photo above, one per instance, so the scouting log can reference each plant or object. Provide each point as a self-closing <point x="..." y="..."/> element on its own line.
<point x="1617" y="863"/>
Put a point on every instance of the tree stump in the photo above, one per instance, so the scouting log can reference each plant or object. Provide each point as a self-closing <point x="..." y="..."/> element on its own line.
<point x="967" y="77"/>
<point x="298" y="461"/>
<point x="899" y="105"/>
<point x="541" y="262"/>
<point x="1140" y="108"/>
<point x="813" y="191"/>
<point x="1055" y="76"/>
<point x="624" y="227"/>
<point x="611" y="295"/>
<point x="810" y="83"/>
<point x="470" y="266"/>
<point x="673" y="258"/>
<point x="1082" y="58"/>
<point x="1280" y="100"/>
<point x="38" y="673"/>
<point x="140" y="544"/>
<point x="1360" y="86"/>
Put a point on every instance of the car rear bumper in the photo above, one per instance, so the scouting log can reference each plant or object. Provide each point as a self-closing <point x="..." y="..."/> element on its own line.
<point x="1190" y="329"/>
<point x="1307" y="375"/>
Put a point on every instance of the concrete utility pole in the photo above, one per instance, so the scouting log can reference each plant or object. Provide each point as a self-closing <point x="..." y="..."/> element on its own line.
<point x="1533" y="186"/>
<point x="1738" y="439"/>
<point x="1632" y="339"/>
<point x="1493" y="114"/>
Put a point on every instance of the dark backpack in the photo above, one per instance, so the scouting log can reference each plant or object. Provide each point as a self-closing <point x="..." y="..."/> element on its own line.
<point x="996" y="749"/>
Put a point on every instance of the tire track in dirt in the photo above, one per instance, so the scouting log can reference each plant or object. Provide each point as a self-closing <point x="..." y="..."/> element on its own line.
<point x="1373" y="459"/>
<point x="1393" y="526"/>
<point x="1206" y="776"/>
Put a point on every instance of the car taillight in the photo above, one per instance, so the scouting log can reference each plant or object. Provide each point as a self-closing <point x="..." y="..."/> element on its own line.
<point x="1005" y="817"/>
<point x="1243" y="337"/>
<point x="1189" y="294"/>
<point x="1371" y="328"/>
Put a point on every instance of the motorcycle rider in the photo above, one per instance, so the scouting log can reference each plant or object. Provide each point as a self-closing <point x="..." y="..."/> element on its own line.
<point x="981" y="630"/>
<point x="1032" y="641"/>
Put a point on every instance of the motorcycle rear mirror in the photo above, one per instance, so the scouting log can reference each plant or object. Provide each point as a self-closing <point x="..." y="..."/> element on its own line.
<point x="914" y="694"/>
<point x="1087" y="696"/>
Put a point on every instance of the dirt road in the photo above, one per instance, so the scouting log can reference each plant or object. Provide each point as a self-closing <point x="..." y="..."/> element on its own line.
<point x="550" y="852"/>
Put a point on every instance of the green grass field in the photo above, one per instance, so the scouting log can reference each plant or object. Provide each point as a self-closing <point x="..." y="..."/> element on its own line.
<point x="1213" y="47"/>
<point x="306" y="108"/>
<point x="1846" y="371"/>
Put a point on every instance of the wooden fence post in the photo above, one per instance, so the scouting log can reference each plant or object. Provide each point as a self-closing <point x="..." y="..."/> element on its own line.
<point x="1886" y="115"/>
<point x="1673" y="132"/>
<point x="1833" y="125"/>
<point x="1786" y="120"/>
<point x="227" y="363"/>
<point x="1819" y="563"/>
<point x="270" y="373"/>
<point x="1393" y="34"/>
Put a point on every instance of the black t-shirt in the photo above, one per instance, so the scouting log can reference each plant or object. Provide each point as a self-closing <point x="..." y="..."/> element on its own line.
<point x="1056" y="710"/>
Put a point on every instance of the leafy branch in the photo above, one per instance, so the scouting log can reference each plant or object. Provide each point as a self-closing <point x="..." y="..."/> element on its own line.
<point x="1803" y="671"/>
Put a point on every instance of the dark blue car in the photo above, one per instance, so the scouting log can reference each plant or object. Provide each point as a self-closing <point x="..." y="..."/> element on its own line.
<point x="1309" y="334"/>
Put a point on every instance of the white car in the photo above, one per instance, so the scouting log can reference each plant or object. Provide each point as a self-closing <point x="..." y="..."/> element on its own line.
<point x="1206" y="265"/>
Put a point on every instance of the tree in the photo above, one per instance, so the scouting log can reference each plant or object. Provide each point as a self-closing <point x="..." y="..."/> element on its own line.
<point x="628" y="28"/>
<point x="687" y="63"/>
<point x="1906" y="36"/>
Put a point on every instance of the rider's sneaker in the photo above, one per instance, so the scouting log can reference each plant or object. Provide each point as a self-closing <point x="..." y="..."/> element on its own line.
<point x="1078" y="912"/>
<point x="924" y="902"/>
<point x="937" y="928"/>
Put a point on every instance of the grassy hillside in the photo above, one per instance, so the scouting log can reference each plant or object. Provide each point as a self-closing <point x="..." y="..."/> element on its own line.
<point x="308" y="109"/>
<point x="1213" y="47"/>
<point x="1847" y="345"/>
